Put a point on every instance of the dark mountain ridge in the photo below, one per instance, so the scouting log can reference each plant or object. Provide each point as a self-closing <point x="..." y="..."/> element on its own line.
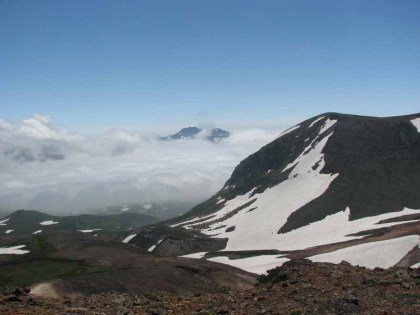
<point x="377" y="161"/>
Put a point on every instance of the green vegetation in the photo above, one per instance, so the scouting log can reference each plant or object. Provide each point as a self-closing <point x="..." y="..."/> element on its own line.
<point x="30" y="272"/>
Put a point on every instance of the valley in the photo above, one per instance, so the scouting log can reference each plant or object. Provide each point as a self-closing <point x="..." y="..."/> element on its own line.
<point x="288" y="203"/>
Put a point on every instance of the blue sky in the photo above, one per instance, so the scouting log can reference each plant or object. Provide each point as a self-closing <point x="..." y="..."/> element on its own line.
<point x="137" y="63"/>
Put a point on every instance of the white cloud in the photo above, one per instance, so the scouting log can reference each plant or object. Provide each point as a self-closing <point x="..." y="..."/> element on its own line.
<point x="47" y="167"/>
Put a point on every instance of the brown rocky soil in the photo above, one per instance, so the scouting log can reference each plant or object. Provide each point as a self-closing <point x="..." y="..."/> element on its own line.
<point x="298" y="287"/>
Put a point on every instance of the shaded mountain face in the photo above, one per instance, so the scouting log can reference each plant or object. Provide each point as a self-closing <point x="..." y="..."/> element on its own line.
<point x="215" y="134"/>
<point x="321" y="180"/>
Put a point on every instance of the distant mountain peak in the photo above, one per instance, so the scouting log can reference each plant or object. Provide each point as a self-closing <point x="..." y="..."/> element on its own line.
<point x="214" y="134"/>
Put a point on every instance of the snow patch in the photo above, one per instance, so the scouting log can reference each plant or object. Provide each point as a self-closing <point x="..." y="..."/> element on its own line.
<point x="129" y="238"/>
<point x="308" y="158"/>
<point x="257" y="264"/>
<point x="37" y="232"/>
<point x="147" y="206"/>
<point x="45" y="290"/>
<point x="195" y="255"/>
<point x="153" y="247"/>
<point x="4" y="221"/>
<point x="315" y="121"/>
<point x="335" y="228"/>
<point x="14" y="250"/>
<point x="229" y="206"/>
<point x="416" y="265"/>
<point x="328" y="124"/>
<point x="89" y="231"/>
<point x="49" y="222"/>
<point x="416" y="123"/>
<point x="125" y="208"/>
<point x="384" y="254"/>
<point x="8" y="231"/>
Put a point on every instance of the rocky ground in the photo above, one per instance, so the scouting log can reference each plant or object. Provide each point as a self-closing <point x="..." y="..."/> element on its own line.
<point x="298" y="287"/>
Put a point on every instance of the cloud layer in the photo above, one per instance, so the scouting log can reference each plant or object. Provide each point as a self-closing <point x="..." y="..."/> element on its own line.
<point x="46" y="167"/>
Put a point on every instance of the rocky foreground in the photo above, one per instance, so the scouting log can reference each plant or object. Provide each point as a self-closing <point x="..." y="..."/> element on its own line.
<point x="298" y="287"/>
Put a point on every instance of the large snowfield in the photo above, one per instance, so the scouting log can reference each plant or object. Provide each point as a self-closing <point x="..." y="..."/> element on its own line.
<point x="382" y="254"/>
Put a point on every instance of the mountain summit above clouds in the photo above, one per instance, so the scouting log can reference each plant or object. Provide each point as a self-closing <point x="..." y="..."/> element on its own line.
<point x="333" y="187"/>
<point x="214" y="134"/>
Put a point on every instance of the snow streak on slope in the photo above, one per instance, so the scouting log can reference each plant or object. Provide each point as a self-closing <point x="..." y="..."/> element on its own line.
<point x="315" y="121"/>
<point x="129" y="238"/>
<point x="309" y="158"/>
<point x="382" y="254"/>
<point x="416" y="123"/>
<point x="3" y="222"/>
<point x="153" y="247"/>
<point x="328" y="124"/>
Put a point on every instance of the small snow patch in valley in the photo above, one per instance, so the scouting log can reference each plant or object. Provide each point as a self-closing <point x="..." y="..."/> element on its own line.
<point x="89" y="231"/>
<point x="49" y="222"/>
<point x="37" y="232"/>
<point x="257" y="264"/>
<point x="14" y="250"/>
<point x="8" y="231"/>
<point x="129" y="238"/>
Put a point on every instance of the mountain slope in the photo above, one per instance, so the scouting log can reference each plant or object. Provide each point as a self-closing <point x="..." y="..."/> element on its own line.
<point x="72" y="264"/>
<point x="35" y="222"/>
<point x="321" y="180"/>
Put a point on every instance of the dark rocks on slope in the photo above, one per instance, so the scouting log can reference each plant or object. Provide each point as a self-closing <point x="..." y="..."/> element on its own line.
<point x="378" y="162"/>
<point x="308" y="289"/>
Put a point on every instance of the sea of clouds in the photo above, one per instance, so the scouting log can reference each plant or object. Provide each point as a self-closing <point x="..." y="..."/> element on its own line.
<point x="46" y="167"/>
